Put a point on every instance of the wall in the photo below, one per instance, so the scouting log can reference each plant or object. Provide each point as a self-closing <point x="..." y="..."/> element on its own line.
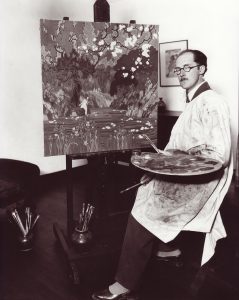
<point x="212" y="27"/>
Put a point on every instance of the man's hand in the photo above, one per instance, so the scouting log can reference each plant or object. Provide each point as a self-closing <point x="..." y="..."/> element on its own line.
<point x="176" y="151"/>
<point x="146" y="178"/>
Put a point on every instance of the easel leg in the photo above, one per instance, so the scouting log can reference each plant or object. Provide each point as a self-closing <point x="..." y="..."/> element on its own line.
<point x="96" y="185"/>
<point x="72" y="266"/>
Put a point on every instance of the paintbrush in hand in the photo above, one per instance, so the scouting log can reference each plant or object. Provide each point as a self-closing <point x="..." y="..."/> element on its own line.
<point x="145" y="179"/>
<point x="154" y="146"/>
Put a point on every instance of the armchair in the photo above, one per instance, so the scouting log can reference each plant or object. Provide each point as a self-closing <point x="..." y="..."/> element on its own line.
<point x="17" y="181"/>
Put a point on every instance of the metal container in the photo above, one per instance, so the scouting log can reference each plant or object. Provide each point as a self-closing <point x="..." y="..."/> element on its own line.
<point x="80" y="237"/>
<point x="25" y="242"/>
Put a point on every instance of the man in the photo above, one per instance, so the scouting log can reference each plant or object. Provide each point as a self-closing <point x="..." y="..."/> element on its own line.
<point x="166" y="205"/>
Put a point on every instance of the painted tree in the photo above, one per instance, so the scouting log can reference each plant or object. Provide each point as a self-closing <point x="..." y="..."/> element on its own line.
<point x="95" y="43"/>
<point x="74" y="51"/>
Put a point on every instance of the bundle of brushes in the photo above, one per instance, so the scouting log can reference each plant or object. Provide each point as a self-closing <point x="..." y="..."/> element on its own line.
<point x="85" y="217"/>
<point x="26" y="222"/>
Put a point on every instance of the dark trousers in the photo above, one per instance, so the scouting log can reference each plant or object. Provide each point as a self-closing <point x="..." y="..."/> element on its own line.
<point x="137" y="250"/>
<point x="135" y="254"/>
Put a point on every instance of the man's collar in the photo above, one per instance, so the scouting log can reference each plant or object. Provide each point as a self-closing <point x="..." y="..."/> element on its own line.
<point x="192" y="92"/>
<point x="202" y="87"/>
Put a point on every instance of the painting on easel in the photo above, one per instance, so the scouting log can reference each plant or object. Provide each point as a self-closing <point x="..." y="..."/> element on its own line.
<point x="100" y="86"/>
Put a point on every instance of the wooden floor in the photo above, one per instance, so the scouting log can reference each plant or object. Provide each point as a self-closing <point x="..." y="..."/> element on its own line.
<point x="41" y="274"/>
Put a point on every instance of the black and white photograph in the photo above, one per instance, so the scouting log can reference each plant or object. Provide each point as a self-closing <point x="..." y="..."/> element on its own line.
<point x="119" y="150"/>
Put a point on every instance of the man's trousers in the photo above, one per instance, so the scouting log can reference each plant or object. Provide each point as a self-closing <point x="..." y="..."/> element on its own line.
<point x="135" y="254"/>
<point x="138" y="247"/>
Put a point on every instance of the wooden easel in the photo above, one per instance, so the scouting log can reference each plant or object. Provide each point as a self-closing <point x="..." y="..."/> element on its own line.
<point x="99" y="162"/>
<point x="107" y="236"/>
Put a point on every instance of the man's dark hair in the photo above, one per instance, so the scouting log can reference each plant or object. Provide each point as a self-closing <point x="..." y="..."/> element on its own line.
<point x="199" y="57"/>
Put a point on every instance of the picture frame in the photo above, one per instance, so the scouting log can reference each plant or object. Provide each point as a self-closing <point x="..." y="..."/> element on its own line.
<point x="168" y="53"/>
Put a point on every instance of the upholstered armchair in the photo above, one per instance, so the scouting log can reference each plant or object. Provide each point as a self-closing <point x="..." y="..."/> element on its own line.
<point x="17" y="182"/>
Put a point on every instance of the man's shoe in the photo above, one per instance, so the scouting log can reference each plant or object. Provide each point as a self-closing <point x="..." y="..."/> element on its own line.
<point x="107" y="295"/>
<point x="175" y="261"/>
<point x="168" y="254"/>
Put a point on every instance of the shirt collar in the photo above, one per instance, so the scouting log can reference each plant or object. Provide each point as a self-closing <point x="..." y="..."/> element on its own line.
<point x="192" y="92"/>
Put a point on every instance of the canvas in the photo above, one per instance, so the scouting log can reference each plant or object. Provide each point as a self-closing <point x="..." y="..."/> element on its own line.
<point x="99" y="84"/>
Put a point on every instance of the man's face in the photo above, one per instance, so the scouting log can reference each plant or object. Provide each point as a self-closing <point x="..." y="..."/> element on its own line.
<point x="189" y="79"/>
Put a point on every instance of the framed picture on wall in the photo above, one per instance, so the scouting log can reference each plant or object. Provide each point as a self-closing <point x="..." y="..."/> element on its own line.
<point x="168" y="53"/>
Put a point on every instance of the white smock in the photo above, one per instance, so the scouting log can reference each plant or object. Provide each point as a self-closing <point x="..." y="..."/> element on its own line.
<point x="165" y="207"/>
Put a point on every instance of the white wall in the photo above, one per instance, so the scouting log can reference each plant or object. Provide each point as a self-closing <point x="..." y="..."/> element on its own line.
<point x="209" y="25"/>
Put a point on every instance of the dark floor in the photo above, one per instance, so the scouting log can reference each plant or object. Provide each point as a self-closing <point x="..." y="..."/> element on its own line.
<point x="42" y="274"/>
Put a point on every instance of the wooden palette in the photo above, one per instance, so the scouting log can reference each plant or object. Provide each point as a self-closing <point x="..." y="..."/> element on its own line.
<point x="176" y="164"/>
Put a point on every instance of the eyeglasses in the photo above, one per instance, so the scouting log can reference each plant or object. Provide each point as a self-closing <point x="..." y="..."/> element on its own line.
<point x="185" y="69"/>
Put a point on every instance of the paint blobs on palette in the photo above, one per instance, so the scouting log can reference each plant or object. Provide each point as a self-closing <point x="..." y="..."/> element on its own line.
<point x="180" y="164"/>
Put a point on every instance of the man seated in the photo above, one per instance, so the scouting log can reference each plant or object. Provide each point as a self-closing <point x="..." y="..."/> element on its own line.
<point x="166" y="205"/>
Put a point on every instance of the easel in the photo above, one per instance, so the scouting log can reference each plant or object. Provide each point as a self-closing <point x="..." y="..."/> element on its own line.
<point x="100" y="162"/>
<point x="108" y="238"/>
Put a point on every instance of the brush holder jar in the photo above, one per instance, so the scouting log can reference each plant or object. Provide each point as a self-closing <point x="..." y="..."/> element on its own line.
<point x="25" y="243"/>
<point x="81" y="238"/>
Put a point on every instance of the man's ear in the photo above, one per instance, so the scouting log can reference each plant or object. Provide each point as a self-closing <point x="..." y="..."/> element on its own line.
<point x="202" y="69"/>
